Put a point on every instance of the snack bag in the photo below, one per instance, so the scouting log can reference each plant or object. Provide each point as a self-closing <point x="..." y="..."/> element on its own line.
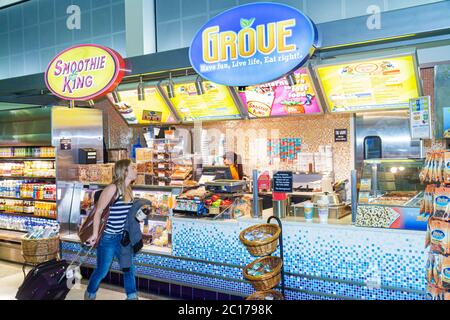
<point x="435" y="293"/>
<point x="426" y="205"/>
<point x="429" y="200"/>
<point x="424" y="172"/>
<point x="423" y="205"/>
<point x="439" y="236"/>
<point x="435" y="167"/>
<point x="437" y="268"/>
<point x="430" y="268"/>
<point x="444" y="272"/>
<point x="447" y="167"/>
<point x="428" y="234"/>
<point x="429" y="169"/>
<point x="442" y="166"/>
<point x="441" y="201"/>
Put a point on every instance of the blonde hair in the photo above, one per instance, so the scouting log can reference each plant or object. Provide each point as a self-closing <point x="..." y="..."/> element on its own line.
<point x="120" y="174"/>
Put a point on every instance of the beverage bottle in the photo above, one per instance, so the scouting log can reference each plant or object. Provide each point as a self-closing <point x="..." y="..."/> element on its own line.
<point x="11" y="190"/>
<point x="37" y="209"/>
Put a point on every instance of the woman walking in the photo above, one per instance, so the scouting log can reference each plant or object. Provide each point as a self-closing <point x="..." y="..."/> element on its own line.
<point x="110" y="241"/>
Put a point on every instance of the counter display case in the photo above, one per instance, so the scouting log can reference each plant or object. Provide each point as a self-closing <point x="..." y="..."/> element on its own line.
<point x="157" y="228"/>
<point x="390" y="193"/>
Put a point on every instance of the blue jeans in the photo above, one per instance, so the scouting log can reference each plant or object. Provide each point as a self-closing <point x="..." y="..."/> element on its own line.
<point x="108" y="248"/>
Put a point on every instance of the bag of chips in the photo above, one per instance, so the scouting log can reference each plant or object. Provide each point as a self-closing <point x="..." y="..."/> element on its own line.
<point x="447" y="167"/>
<point x="441" y="201"/>
<point x="444" y="272"/>
<point x="426" y="205"/>
<point x="435" y="293"/>
<point x="424" y="172"/>
<point x="430" y="268"/>
<point x="439" y="236"/>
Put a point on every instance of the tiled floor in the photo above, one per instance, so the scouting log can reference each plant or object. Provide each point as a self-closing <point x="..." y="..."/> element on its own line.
<point x="11" y="277"/>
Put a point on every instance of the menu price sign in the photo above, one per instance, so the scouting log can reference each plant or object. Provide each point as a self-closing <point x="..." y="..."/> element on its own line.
<point x="420" y="117"/>
<point x="340" y="135"/>
<point x="216" y="103"/>
<point x="151" y="110"/>
<point x="378" y="84"/>
<point x="283" y="181"/>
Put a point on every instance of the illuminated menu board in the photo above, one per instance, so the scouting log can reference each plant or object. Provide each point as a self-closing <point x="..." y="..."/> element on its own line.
<point x="277" y="98"/>
<point x="215" y="104"/>
<point x="381" y="84"/>
<point x="150" y="111"/>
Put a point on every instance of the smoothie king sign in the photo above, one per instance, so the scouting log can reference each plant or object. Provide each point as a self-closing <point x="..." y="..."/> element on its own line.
<point x="253" y="44"/>
<point x="84" y="72"/>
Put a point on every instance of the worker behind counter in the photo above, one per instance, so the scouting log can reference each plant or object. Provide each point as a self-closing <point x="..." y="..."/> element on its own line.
<point x="234" y="162"/>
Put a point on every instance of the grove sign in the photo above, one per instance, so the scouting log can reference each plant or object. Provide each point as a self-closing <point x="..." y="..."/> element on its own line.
<point x="84" y="72"/>
<point x="253" y="44"/>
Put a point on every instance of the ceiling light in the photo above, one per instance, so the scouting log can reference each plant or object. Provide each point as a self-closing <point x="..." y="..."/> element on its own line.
<point x="199" y="86"/>
<point x="141" y="90"/>
<point x="291" y="79"/>
<point x="116" y="97"/>
<point x="170" y="88"/>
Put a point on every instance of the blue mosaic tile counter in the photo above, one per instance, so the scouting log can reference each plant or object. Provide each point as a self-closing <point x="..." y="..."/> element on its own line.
<point x="321" y="261"/>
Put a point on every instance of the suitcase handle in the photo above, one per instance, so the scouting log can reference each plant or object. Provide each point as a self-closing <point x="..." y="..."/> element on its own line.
<point x="81" y="258"/>
<point x="78" y="261"/>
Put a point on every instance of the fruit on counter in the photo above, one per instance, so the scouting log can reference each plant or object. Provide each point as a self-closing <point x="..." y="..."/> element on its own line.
<point x="217" y="203"/>
<point x="215" y="197"/>
<point x="227" y="202"/>
<point x="208" y="202"/>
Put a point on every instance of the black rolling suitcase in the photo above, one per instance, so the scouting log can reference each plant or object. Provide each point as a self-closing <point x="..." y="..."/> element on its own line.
<point x="49" y="280"/>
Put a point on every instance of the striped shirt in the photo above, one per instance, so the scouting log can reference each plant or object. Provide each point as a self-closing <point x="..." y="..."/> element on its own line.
<point x="118" y="213"/>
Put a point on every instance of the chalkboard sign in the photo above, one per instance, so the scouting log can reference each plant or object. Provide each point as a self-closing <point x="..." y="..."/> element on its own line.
<point x="282" y="181"/>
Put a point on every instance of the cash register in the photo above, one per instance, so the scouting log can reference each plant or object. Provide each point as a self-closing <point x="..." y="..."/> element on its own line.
<point x="219" y="179"/>
<point x="211" y="173"/>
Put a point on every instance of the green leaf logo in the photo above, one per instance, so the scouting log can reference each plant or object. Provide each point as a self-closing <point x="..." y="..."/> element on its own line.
<point x="73" y="76"/>
<point x="247" y="23"/>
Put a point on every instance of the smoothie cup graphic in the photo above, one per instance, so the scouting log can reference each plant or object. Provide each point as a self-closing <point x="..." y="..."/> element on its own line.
<point x="259" y="103"/>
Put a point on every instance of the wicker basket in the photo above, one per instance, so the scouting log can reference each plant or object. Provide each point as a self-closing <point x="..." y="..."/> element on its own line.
<point x="266" y="281"/>
<point x="37" y="251"/>
<point x="261" y="295"/>
<point x="262" y="248"/>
